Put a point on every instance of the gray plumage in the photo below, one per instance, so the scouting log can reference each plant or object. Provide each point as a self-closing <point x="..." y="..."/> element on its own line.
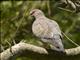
<point x="47" y="29"/>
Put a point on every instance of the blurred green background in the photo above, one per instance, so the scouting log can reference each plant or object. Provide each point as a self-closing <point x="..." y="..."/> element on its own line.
<point x="16" y="23"/>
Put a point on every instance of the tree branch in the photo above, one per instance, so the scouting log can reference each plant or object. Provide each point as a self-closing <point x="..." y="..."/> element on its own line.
<point x="21" y="47"/>
<point x="72" y="5"/>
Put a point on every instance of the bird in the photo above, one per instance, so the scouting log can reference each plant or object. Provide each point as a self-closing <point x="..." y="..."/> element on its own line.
<point x="47" y="30"/>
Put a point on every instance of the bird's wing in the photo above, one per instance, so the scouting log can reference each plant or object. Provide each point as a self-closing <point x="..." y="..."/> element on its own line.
<point x="54" y="35"/>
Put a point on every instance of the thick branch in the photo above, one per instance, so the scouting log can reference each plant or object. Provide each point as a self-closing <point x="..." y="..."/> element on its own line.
<point x="73" y="51"/>
<point x="21" y="47"/>
<point x="73" y="5"/>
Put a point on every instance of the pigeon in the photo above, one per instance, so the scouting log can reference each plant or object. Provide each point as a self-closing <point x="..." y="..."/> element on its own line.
<point x="47" y="30"/>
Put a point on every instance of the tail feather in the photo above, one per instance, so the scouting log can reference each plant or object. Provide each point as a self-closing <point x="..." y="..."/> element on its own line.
<point x="57" y="44"/>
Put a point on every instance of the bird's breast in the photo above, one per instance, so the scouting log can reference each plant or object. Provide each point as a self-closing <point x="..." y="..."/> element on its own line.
<point x="40" y="28"/>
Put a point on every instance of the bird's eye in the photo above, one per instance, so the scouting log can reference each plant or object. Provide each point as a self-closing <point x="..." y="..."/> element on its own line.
<point x="32" y="12"/>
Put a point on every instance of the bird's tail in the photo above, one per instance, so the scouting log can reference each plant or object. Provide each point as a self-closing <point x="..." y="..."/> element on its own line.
<point x="56" y="44"/>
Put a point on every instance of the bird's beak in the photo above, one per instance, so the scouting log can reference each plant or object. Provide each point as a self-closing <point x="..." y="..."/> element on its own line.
<point x="30" y="13"/>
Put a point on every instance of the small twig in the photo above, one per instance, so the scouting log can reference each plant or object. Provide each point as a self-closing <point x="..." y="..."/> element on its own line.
<point x="66" y="10"/>
<point x="48" y="6"/>
<point x="70" y="40"/>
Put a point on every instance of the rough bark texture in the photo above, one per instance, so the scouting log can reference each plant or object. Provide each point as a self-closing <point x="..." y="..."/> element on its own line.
<point x="35" y="51"/>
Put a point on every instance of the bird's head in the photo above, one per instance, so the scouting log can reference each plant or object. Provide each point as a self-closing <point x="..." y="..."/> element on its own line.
<point x="36" y="13"/>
